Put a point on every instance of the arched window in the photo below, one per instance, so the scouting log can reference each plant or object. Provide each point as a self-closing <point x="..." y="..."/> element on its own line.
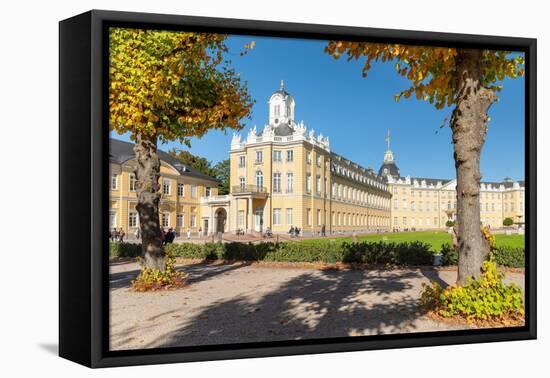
<point x="259" y="179"/>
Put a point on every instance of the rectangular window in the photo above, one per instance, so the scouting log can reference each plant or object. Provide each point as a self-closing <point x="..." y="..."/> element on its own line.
<point x="308" y="183"/>
<point x="165" y="220"/>
<point x="412" y="206"/>
<point x="318" y="184"/>
<point x="242" y="182"/>
<point x="276" y="216"/>
<point x="308" y="215"/>
<point x="207" y="192"/>
<point x="242" y="161"/>
<point x="308" y="157"/>
<point x="289" y="216"/>
<point x="435" y="205"/>
<point x="259" y="156"/>
<point x="319" y="220"/>
<point x="277" y="156"/>
<point x="132" y="219"/>
<point x="289" y="182"/>
<point x="179" y="220"/>
<point x="166" y="187"/>
<point x="193" y="220"/>
<point x="114" y="181"/>
<point x="493" y="206"/>
<point x="241" y="218"/>
<point x="404" y="221"/>
<point x="395" y="204"/>
<point x="395" y="221"/>
<point x="404" y="204"/>
<point x="132" y="183"/>
<point x="277" y="183"/>
<point x="435" y="221"/>
<point x="193" y="191"/>
<point x="318" y="160"/>
<point x="290" y="155"/>
<point x="181" y="189"/>
<point x="112" y="219"/>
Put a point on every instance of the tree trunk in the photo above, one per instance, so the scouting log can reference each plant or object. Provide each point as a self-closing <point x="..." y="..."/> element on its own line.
<point x="147" y="186"/>
<point x="469" y="128"/>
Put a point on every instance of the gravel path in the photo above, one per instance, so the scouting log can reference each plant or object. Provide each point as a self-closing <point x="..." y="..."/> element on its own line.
<point x="235" y="303"/>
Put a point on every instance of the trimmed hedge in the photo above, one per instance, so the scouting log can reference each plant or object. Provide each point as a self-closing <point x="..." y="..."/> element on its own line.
<point x="415" y="253"/>
<point x="512" y="257"/>
<point x="124" y="249"/>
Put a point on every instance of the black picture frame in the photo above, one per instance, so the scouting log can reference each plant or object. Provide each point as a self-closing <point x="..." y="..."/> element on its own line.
<point x="83" y="160"/>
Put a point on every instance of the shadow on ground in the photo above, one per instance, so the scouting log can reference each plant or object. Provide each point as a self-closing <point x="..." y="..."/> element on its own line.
<point x="316" y="304"/>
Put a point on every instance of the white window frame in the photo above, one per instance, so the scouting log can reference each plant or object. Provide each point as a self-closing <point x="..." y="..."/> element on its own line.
<point x="289" y="215"/>
<point x="167" y="215"/>
<point x="289" y="182"/>
<point x="181" y="193"/>
<point x="114" y="177"/>
<point x="132" y="214"/>
<point x="276" y="216"/>
<point x="132" y="182"/>
<point x="290" y="155"/>
<point x="166" y="181"/>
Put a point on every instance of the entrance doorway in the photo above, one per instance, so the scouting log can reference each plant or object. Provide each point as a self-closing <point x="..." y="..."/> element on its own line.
<point x="206" y="231"/>
<point x="259" y="219"/>
<point x="221" y="216"/>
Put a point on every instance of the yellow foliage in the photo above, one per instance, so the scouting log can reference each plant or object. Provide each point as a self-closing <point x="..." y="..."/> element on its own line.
<point x="172" y="85"/>
<point x="432" y="70"/>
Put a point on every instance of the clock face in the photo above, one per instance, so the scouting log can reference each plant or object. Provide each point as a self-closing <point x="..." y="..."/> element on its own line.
<point x="385" y="171"/>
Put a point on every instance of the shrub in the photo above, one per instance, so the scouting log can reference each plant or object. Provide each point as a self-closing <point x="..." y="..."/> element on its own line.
<point x="450" y="223"/>
<point x="414" y="253"/>
<point x="512" y="257"/>
<point x="124" y="249"/>
<point x="150" y="279"/>
<point x="507" y="222"/>
<point x="407" y="253"/>
<point x="486" y="298"/>
<point x="450" y="254"/>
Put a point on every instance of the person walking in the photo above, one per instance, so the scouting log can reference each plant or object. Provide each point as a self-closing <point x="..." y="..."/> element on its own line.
<point x="121" y="235"/>
<point x="323" y="229"/>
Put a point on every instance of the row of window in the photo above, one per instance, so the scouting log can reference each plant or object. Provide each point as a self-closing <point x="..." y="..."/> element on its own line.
<point x="345" y="193"/>
<point x="277" y="157"/>
<point x="165" y="220"/>
<point x="166" y="186"/>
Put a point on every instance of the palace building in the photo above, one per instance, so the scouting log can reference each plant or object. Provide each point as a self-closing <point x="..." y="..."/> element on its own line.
<point x="284" y="175"/>
<point x="428" y="203"/>
<point x="182" y="189"/>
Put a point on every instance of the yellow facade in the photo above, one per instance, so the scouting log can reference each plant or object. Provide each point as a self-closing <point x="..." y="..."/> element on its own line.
<point x="180" y="205"/>
<point x="286" y="176"/>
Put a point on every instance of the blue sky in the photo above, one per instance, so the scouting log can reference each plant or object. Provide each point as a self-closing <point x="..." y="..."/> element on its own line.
<point x="332" y="97"/>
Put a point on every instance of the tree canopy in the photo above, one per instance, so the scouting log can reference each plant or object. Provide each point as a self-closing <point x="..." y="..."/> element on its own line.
<point x="431" y="70"/>
<point x="173" y="85"/>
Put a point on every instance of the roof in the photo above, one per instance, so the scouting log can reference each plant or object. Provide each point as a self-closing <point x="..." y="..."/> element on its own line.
<point x="120" y="152"/>
<point x="391" y="170"/>
<point x="282" y="92"/>
<point x="283" y="129"/>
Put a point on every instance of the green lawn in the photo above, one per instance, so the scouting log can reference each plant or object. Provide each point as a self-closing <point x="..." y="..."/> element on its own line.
<point x="434" y="238"/>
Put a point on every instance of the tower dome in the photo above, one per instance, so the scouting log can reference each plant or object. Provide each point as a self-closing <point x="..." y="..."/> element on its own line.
<point x="281" y="108"/>
<point x="388" y="167"/>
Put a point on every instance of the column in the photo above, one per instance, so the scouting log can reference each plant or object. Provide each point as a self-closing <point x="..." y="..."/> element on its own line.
<point x="235" y="206"/>
<point x="250" y="228"/>
<point x="212" y="229"/>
